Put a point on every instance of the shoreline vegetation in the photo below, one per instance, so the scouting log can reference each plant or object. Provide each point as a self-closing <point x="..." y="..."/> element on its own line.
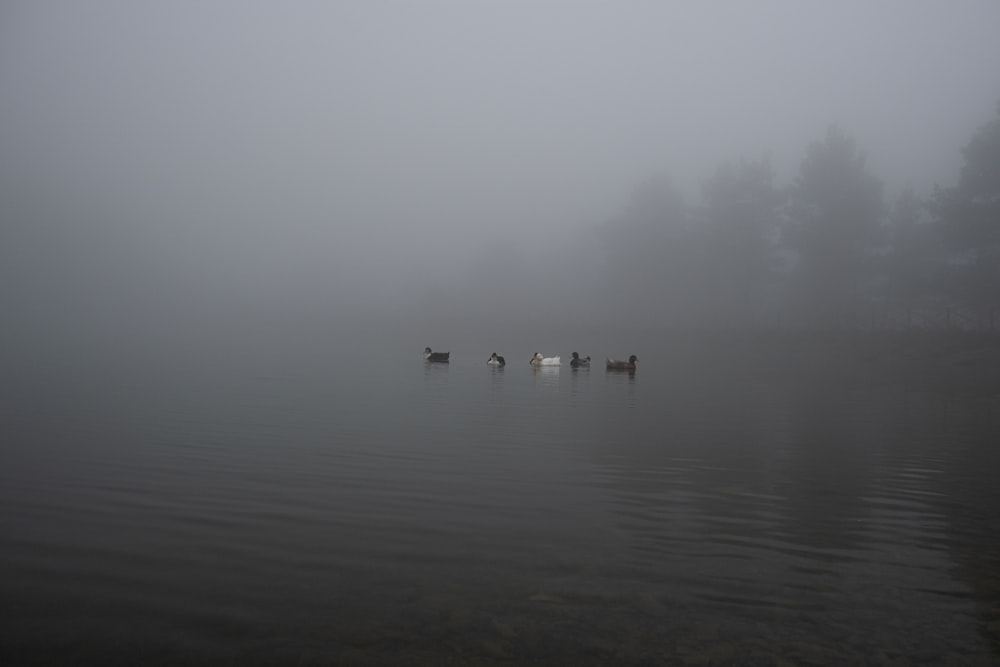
<point x="959" y="354"/>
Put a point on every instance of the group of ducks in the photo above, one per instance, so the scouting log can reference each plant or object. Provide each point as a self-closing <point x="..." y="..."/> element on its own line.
<point x="577" y="361"/>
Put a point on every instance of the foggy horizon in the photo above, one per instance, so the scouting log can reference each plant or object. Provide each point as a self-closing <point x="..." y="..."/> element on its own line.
<point x="364" y="158"/>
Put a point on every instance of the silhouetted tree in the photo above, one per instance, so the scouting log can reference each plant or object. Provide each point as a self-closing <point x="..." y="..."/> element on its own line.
<point x="740" y="213"/>
<point x="834" y="210"/>
<point x="970" y="211"/>
<point x="968" y="215"/>
<point x="646" y="269"/>
<point x="906" y="213"/>
<point x="914" y="261"/>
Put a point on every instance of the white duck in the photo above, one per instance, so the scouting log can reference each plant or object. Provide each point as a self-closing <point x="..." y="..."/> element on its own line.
<point x="539" y="360"/>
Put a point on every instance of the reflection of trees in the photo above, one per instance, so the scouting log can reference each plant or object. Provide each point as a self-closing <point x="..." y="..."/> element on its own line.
<point x="790" y="461"/>
<point x="827" y="497"/>
<point x="955" y="426"/>
<point x="826" y="471"/>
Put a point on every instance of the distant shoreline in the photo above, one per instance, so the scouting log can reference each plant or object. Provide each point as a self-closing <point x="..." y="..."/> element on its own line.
<point x="975" y="355"/>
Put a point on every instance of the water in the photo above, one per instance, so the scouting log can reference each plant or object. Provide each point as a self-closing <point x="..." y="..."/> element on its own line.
<point x="312" y="509"/>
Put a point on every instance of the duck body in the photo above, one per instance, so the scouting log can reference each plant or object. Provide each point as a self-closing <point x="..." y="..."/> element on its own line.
<point x="496" y="361"/>
<point x="539" y="360"/>
<point x="436" y="356"/>
<point x="616" y="365"/>
<point x="577" y="362"/>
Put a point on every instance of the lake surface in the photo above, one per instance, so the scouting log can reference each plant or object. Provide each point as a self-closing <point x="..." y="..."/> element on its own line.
<point x="311" y="510"/>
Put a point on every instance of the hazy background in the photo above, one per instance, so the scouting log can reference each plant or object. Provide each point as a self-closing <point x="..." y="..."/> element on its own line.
<point x="450" y="174"/>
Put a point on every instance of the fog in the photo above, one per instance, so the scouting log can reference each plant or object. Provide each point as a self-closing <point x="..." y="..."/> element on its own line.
<point x="455" y="174"/>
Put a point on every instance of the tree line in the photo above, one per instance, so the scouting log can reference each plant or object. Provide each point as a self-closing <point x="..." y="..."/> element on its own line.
<point x="826" y="250"/>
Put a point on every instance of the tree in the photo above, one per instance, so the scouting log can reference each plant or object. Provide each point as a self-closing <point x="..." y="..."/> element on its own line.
<point x="645" y="264"/>
<point x="913" y="261"/>
<point x="968" y="216"/>
<point x="834" y="209"/>
<point x="740" y="212"/>
<point x="970" y="211"/>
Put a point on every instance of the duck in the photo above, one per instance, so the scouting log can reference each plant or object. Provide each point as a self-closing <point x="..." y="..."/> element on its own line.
<point x="496" y="360"/>
<point x="577" y="362"/>
<point x="539" y="360"/>
<point x="615" y="365"/>
<point x="435" y="356"/>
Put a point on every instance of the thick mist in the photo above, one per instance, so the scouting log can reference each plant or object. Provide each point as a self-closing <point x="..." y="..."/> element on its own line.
<point x="185" y="178"/>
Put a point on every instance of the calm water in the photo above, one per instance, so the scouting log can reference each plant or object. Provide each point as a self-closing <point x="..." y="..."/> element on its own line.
<point x="391" y="512"/>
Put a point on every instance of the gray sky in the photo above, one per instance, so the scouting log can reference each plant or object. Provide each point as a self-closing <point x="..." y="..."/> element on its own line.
<point x="321" y="137"/>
